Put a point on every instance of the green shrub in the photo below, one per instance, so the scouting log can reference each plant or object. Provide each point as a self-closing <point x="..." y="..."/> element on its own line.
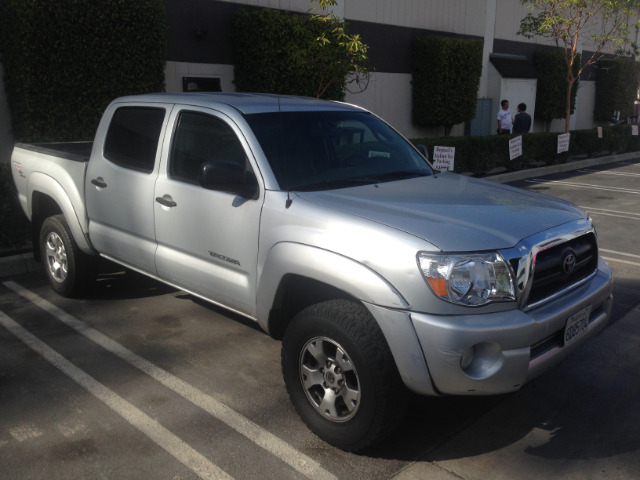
<point x="64" y="61"/>
<point x="14" y="228"/>
<point x="480" y="156"/>
<point x="551" y="92"/>
<point x="445" y="80"/>
<point x="281" y="52"/>
<point x="616" y="88"/>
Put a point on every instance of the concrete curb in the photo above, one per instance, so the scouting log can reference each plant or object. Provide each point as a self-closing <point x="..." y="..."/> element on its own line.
<point x="24" y="263"/>
<point x="563" y="167"/>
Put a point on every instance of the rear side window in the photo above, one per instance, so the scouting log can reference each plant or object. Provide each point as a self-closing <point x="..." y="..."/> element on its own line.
<point x="132" y="138"/>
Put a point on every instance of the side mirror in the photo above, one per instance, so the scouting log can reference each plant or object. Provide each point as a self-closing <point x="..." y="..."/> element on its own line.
<point x="229" y="177"/>
<point x="423" y="150"/>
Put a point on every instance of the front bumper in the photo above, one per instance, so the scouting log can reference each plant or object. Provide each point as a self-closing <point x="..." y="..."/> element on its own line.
<point x="497" y="353"/>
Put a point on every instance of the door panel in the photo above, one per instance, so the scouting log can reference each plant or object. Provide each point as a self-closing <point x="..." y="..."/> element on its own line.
<point x="120" y="185"/>
<point x="207" y="240"/>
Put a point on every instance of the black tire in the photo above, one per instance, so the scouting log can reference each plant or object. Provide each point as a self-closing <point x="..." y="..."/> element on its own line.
<point x="341" y="376"/>
<point x="69" y="270"/>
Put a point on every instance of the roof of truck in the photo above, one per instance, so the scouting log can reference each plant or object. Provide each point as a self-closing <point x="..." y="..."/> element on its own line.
<point x="245" y="103"/>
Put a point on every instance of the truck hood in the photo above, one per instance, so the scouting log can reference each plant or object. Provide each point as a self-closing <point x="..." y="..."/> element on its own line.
<point x="452" y="212"/>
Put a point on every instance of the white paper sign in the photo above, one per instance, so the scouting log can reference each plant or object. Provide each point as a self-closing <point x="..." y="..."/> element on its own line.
<point x="634" y="130"/>
<point x="563" y="142"/>
<point x="443" y="158"/>
<point x="599" y="132"/>
<point x="515" y="147"/>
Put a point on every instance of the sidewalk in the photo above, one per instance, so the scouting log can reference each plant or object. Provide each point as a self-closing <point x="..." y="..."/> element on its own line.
<point x="24" y="263"/>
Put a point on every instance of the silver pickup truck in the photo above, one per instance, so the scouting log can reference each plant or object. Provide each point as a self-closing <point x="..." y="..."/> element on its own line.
<point x="323" y="224"/>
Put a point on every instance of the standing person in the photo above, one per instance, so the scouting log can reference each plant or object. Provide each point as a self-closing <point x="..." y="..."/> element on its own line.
<point x="504" y="118"/>
<point x="522" y="120"/>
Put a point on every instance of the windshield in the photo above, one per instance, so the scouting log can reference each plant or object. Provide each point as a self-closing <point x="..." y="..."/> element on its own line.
<point x="322" y="150"/>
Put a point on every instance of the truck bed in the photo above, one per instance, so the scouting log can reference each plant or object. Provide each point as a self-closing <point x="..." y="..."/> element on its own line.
<point x="76" y="151"/>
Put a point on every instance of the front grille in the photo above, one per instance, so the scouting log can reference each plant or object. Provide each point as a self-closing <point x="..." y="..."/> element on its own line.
<point x="560" y="266"/>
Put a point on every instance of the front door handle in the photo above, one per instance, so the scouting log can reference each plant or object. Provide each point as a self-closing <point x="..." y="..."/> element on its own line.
<point x="99" y="182"/>
<point x="166" y="202"/>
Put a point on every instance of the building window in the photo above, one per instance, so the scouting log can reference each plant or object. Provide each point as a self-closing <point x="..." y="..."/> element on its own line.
<point x="201" y="84"/>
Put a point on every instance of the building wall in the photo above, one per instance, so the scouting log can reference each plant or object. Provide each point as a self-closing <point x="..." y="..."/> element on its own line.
<point x="585" y="105"/>
<point x="198" y="36"/>
<point x="388" y="28"/>
<point x="452" y="16"/>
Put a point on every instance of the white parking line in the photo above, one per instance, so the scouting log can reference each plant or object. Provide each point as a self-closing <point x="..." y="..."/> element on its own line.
<point x="602" y="172"/>
<point x="274" y="445"/>
<point x="593" y="211"/>
<point x="626" y="262"/>
<point x="186" y="455"/>
<point x="585" y="185"/>
<point x="606" y="211"/>
<point x="620" y="253"/>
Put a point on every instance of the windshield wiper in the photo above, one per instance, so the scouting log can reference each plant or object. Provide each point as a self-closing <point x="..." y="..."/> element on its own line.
<point x="331" y="184"/>
<point x="398" y="175"/>
<point x="357" y="181"/>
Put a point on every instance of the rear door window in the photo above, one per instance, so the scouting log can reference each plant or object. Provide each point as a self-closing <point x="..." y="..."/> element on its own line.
<point x="132" y="138"/>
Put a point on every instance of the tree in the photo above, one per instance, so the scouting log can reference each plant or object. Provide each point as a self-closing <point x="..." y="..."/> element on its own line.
<point x="551" y="87"/>
<point x="285" y="53"/>
<point x="338" y="55"/>
<point x="607" y="24"/>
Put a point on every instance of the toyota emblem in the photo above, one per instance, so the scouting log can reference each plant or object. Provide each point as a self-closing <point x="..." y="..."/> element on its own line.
<point x="569" y="263"/>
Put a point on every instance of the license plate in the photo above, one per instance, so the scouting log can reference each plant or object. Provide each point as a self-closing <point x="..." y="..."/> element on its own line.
<point x="576" y="325"/>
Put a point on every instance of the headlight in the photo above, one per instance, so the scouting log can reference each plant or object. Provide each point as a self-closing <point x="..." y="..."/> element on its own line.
<point x="473" y="280"/>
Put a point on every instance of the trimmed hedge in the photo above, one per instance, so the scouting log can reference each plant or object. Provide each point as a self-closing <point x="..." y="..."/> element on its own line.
<point x="551" y="92"/>
<point x="65" y="60"/>
<point x="616" y="88"/>
<point x="276" y="52"/>
<point x="479" y="156"/>
<point x="445" y="79"/>
<point x="15" y="230"/>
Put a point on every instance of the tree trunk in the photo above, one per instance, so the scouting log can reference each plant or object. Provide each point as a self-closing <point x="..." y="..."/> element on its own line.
<point x="567" y="123"/>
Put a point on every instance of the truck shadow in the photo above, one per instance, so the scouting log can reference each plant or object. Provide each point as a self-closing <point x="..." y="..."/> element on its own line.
<point x="115" y="282"/>
<point x="585" y="408"/>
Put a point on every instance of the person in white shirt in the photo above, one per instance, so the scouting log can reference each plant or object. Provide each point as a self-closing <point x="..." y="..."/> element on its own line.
<point x="505" y="121"/>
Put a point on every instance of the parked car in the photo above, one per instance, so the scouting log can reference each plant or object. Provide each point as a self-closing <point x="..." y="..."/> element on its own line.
<point x="323" y="224"/>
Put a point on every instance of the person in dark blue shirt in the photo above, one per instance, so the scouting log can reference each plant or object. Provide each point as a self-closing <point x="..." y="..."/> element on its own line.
<point x="522" y="120"/>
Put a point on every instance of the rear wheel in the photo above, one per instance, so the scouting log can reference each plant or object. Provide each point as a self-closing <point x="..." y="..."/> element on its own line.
<point x="70" y="271"/>
<point x="341" y="376"/>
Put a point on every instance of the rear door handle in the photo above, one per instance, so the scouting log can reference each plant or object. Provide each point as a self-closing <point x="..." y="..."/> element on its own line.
<point x="99" y="182"/>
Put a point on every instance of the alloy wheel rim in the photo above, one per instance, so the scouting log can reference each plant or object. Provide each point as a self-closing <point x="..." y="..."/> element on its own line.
<point x="56" y="257"/>
<point x="329" y="379"/>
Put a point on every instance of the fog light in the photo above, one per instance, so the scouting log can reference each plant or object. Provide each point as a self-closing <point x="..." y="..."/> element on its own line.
<point x="482" y="360"/>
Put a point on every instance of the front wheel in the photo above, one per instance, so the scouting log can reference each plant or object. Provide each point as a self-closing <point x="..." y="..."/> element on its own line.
<point x="341" y="376"/>
<point x="70" y="271"/>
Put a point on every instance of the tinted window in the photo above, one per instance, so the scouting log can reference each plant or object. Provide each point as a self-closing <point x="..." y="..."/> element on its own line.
<point x="332" y="149"/>
<point x="132" y="138"/>
<point x="201" y="138"/>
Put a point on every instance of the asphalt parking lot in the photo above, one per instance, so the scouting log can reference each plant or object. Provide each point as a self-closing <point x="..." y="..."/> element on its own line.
<point x="143" y="381"/>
